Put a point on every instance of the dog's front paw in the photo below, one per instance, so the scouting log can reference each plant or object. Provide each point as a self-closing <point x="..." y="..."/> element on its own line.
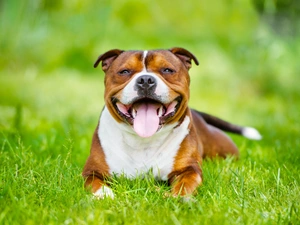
<point x="104" y="192"/>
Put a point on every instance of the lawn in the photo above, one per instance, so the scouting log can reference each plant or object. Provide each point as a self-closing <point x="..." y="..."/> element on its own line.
<point x="51" y="98"/>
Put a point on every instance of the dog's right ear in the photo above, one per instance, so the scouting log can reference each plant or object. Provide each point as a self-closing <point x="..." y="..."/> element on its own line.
<point x="185" y="56"/>
<point x="107" y="58"/>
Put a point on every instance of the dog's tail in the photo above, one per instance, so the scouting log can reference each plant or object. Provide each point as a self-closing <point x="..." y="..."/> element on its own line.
<point x="248" y="132"/>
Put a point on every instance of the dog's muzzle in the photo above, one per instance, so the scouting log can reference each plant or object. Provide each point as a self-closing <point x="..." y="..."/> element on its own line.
<point x="147" y="115"/>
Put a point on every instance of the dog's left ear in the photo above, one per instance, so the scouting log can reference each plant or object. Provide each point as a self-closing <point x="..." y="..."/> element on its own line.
<point x="107" y="58"/>
<point x="185" y="56"/>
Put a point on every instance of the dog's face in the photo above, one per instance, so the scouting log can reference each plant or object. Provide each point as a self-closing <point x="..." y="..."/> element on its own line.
<point x="147" y="89"/>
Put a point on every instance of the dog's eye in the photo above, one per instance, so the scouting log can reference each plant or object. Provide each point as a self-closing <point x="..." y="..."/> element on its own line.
<point x="124" y="72"/>
<point x="167" y="71"/>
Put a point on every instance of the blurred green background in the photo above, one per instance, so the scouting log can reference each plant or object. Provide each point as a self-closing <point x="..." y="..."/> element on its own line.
<point x="248" y="51"/>
<point x="255" y="37"/>
<point x="51" y="98"/>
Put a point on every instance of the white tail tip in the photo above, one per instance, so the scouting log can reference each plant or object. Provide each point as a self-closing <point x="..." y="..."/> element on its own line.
<point x="251" y="133"/>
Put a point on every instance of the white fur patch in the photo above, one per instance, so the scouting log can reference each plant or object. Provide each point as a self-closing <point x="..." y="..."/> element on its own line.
<point x="144" y="59"/>
<point x="104" y="192"/>
<point x="251" y="133"/>
<point x="129" y="154"/>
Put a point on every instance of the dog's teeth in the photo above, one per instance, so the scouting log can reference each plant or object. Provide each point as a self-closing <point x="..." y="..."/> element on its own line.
<point x="160" y="111"/>
<point x="133" y="113"/>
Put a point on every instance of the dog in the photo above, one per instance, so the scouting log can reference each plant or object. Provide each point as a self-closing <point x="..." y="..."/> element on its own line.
<point x="146" y="124"/>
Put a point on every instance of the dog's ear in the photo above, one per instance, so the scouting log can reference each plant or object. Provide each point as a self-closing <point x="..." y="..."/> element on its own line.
<point x="185" y="56"/>
<point x="107" y="58"/>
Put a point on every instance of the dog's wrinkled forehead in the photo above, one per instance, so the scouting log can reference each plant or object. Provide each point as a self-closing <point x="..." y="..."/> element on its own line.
<point x="161" y="58"/>
<point x="139" y="59"/>
<point x="130" y="57"/>
<point x="145" y="61"/>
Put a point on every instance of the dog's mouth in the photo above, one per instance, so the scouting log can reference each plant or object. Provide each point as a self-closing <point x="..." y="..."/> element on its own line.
<point x="146" y="115"/>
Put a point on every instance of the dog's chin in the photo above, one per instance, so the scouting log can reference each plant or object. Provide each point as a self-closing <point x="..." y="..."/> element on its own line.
<point x="147" y="115"/>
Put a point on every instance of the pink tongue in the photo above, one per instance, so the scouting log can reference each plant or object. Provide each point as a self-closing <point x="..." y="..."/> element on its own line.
<point x="146" y="121"/>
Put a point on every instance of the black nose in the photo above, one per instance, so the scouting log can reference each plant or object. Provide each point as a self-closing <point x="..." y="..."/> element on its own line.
<point x="146" y="82"/>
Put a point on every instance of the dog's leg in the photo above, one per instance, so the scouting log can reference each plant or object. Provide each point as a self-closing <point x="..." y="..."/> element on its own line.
<point x="187" y="174"/>
<point x="96" y="170"/>
<point x="185" y="181"/>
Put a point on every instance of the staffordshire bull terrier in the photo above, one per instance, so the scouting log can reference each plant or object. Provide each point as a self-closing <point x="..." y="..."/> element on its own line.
<point x="146" y="124"/>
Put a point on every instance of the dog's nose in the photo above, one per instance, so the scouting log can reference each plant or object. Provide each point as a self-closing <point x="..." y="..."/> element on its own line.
<point x="146" y="82"/>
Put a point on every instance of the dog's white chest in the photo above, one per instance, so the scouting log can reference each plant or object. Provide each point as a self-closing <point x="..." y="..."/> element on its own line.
<point x="127" y="153"/>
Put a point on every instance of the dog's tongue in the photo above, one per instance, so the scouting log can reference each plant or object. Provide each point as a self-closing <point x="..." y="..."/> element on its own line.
<point x="146" y="122"/>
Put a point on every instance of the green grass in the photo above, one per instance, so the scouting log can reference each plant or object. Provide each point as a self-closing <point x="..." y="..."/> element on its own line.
<point x="51" y="98"/>
<point x="45" y="141"/>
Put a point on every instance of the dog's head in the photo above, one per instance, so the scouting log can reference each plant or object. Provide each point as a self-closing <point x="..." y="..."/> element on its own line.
<point x="147" y="89"/>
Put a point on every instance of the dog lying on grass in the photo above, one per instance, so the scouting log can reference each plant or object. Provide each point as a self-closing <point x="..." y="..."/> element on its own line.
<point x="146" y="123"/>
